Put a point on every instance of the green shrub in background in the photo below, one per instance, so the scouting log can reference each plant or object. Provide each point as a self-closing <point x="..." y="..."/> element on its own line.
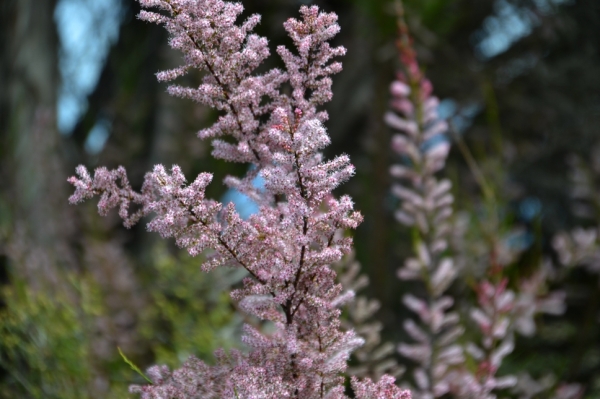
<point x="48" y="344"/>
<point x="45" y="343"/>
<point x="189" y="312"/>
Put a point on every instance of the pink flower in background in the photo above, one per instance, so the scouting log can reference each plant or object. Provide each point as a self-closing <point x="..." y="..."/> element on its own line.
<point x="426" y="207"/>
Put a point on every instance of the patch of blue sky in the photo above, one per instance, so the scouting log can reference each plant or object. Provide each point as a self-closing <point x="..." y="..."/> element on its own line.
<point x="519" y="240"/>
<point x="507" y="25"/>
<point x="447" y="108"/>
<point x="86" y="29"/>
<point x="549" y="6"/>
<point x="499" y="31"/>
<point x="97" y="137"/>
<point x="460" y="117"/>
<point x="530" y="208"/>
<point x="244" y="206"/>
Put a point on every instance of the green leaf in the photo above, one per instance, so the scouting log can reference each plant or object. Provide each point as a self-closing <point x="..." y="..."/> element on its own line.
<point x="133" y="366"/>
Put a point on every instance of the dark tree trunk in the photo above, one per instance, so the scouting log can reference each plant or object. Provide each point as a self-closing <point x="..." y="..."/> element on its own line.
<point x="34" y="219"/>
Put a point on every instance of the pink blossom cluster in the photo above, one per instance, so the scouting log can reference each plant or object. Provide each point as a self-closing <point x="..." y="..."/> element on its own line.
<point x="581" y="246"/>
<point x="443" y="355"/>
<point x="499" y="314"/>
<point x="287" y="248"/>
<point x="426" y="206"/>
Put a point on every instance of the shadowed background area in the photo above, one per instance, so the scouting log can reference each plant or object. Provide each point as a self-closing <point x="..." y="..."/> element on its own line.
<point x="518" y="79"/>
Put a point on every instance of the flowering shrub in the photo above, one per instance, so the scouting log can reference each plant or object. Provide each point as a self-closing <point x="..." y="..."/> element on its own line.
<point x="441" y="351"/>
<point x="43" y="346"/>
<point x="295" y="250"/>
<point x="427" y="207"/>
<point x="288" y="247"/>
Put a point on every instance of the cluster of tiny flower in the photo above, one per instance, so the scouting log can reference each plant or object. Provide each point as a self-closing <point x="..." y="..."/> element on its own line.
<point x="582" y="245"/>
<point x="288" y="246"/>
<point x="500" y="313"/>
<point x="579" y="247"/>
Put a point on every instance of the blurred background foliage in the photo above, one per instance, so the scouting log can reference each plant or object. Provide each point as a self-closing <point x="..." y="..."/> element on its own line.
<point x="519" y="80"/>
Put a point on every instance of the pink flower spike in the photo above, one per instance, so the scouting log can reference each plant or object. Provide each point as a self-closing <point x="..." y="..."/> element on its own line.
<point x="288" y="247"/>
